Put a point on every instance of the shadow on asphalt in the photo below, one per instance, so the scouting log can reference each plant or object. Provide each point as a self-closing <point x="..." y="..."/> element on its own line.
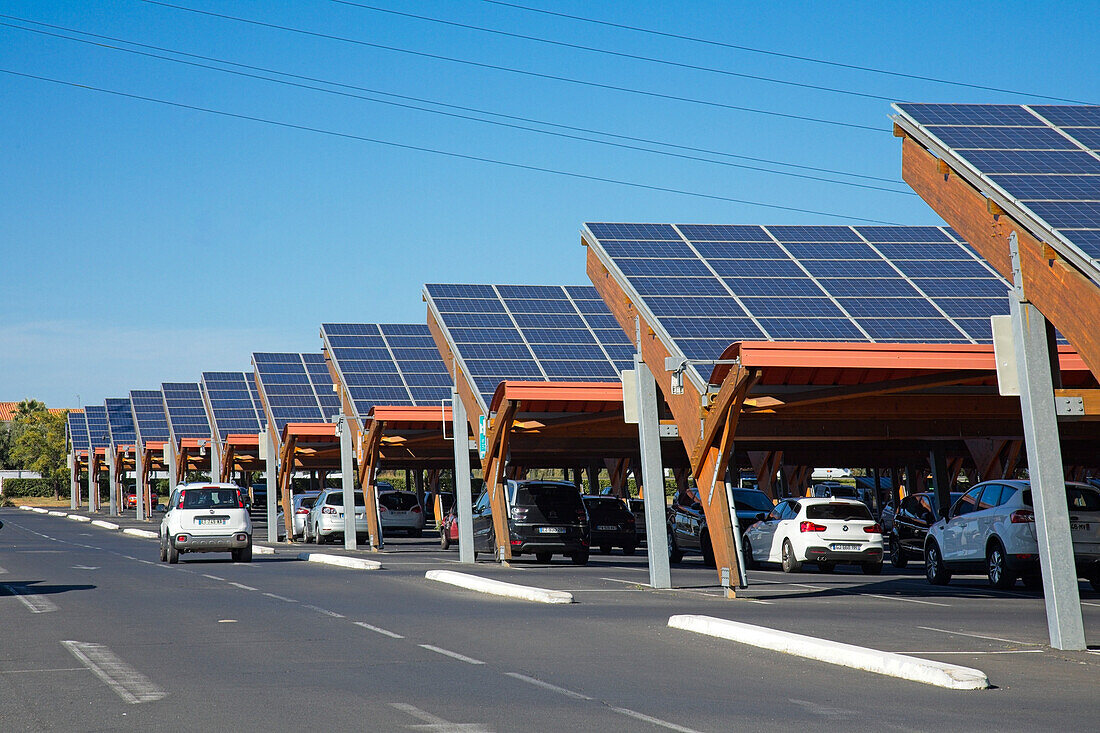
<point x="32" y="588"/>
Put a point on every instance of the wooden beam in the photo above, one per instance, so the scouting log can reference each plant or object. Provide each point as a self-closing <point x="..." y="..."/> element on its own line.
<point x="370" y="447"/>
<point x="285" y="482"/>
<point x="496" y="456"/>
<point x="836" y="394"/>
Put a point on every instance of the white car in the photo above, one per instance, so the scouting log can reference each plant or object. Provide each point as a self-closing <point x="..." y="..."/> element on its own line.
<point x="206" y="518"/>
<point x="826" y="532"/>
<point x="326" y="518"/>
<point x="400" y="510"/>
<point x="991" y="529"/>
<point x="302" y="504"/>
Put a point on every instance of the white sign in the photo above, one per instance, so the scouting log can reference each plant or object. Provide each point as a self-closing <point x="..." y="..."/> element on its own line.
<point x="1004" y="353"/>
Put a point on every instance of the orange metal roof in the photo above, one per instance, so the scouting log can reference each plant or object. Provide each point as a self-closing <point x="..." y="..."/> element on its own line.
<point x="312" y="430"/>
<point x="242" y="439"/>
<point x="407" y="414"/>
<point x="561" y="396"/>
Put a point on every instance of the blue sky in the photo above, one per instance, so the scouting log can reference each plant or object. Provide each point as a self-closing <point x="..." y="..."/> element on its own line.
<point x="144" y="243"/>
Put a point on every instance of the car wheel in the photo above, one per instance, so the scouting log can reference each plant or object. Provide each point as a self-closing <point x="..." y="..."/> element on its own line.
<point x="543" y="557"/>
<point x="244" y="554"/>
<point x="675" y="554"/>
<point x="173" y="553"/>
<point x="163" y="549"/>
<point x="872" y="568"/>
<point x="628" y="549"/>
<point x="444" y="538"/>
<point x="317" y="538"/>
<point x="746" y="551"/>
<point x="605" y="549"/>
<point x="826" y="567"/>
<point x="579" y="558"/>
<point x="996" y="563"/>
<point x="934" y="569"/>
<point x="897" y="557"/>
<point x="790" y="564"/>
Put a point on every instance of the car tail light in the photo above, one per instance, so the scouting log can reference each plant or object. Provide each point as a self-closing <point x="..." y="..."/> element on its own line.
<point x="382" y="508"/>
<point x="301" y="510"/>
<point x="1022" y="516"/>
<point x="631" y="520"/>
<point x="181" y="538"/>
<point x="415" y="510"/>
<point x="328" y="510"/>
<point x="182" y="494"/>
<point x="242" y="537"/>
<point x="810" y="527"/>
<point x="873" y="529"/>
<point x="517" y="542"/>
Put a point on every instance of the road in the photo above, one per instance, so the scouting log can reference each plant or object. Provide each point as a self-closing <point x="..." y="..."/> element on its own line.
<point x="98" y="635"/>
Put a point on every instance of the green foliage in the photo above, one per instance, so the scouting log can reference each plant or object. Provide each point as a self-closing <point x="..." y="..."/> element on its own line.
<point x="7" y="442"/>
<point x="14" y="487"/>
<point x="40" y="443"/>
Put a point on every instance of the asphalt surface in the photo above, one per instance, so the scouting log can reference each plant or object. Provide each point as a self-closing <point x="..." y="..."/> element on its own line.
<point x="99" y="635"/>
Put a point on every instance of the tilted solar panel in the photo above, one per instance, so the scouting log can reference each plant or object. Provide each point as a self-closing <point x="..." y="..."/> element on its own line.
<point x="295" y="387"/>
<point x="805" y="283"/>
<point x="99" y="434"/>
<point x="78" y="431"/>
<point x="535" y="332"/>
<point x="185" y="410"/>
<point x="120" y="420"/>
<point x="1043" y="160"/>
<point x="231" y="403"/>
<point x="150" y="421"/>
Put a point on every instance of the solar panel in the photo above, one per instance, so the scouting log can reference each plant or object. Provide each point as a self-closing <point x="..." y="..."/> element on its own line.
<point x="99" y="435"/>
<point x="78" y="431"/>
<point x="542" y="332"/>
<point x="120" y="420"/>
<point x="185" y="410"/>
<point x="150" y="421"/>
<point x="1041" y="159"/>
<point x="295" y="387"/>
<point x="391" y="363"/>
<point x="818" y="283"/>
<point x="230" y="399"/>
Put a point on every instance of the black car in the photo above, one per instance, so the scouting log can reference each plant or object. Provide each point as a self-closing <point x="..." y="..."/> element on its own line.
<point x="914" y="515"/>
<point x="611" y="524"/>
<point x="544" y="518"/>
<point x="687" y="523"/>
<point x="637" y="508"/>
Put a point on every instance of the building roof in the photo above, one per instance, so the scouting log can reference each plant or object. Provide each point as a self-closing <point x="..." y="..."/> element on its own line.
<point x="7" y="410"/>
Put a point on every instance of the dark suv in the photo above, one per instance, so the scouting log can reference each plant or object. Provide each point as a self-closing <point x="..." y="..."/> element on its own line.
<point x="687" y="523"/>
<point x="914" y="515"/>
<point x="544" y="518"/>
<point x="611" y="524"/>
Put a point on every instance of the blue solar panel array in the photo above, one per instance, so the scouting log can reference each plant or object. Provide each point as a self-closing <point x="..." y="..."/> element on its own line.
<point x="296" y="387"/>
<point x="99" y="435"/>
<point x="78" y="431"/>
<point x="708" y="286"/>
<point x="549" y="333"/>
<point x="1044" y="157"/>
<point x="120" y="420"/>
<point x="149" y="418"/>
<point x="230" y="397"/>
<point x="185" y="411"/>
<point x="387" y="364"/>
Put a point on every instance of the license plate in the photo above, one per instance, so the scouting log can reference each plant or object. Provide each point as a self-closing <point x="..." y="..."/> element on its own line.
<point x="1079" y="525"/>
<point x="551" y="530"/>
<point x="207" y="520"/>
<point x="607" y="527"/>
<point x="846" y="548"/>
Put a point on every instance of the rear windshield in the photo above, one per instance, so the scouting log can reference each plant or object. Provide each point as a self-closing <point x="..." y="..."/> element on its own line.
<point x="608" y="505"/>
<point x="552" y="501"/>
<point x="844" y="512"/>
<point x="1079" y="499"/>
<point x="751" y="500"/>
<point x="337" y="499"/>
<point x="398" y="501"/>
<point x="212" y="499"/>
<point x="307" y="501"/>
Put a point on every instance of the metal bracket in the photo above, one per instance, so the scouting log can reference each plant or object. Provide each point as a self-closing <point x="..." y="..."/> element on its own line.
<point x="1069" y="407"/>
<point x="669" y="431"/>
<point x="1014" y="259"/>
<point x="677" y="364"/>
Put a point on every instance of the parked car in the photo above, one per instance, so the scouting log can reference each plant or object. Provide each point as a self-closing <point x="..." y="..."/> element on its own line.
<point x="637" y="507"/>
<point x="399" y="510"/>
<point x="544" y="518"/>
<point x="446" y="498"/>
<point x="610" y="524"/>
<point x="448" y="529"/>
<point x="325" y="520"/>
<point x="886" y="517"/>
<point x="915" y="514"/>
<point x="687" y="522"/>
<point x="206" y="518"/>
<point x="827" y="532"/>
<point x="301" y="504"/>
<point x="991" y="529"/>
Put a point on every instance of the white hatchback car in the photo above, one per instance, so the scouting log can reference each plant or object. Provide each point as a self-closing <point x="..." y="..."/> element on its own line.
<point x="206" y="518"/>
<point x="824" y="531"/>
<point x="991" y="529"/>
<point x="325" y="520"/>
<point x="400" y="510"/>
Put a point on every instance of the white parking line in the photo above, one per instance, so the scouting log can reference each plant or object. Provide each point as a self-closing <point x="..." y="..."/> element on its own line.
<point x="650" y="719"/>
<point x="547" y="686"/>
<point x="280" y="598"/>
<point x="436" y="723"/>
<point x="34" y="603"/>
<point x="905" y="600"/>
<point x="452" y="655"/>
<point x="3" y="571"/>
<point x="242" y="586"/>
<point x="378" y="630"/>
<point x="132" y="686"/>
<point x="1086" y="603"/>
<point x="212" y="577"/>
<point x="325" y="611"/>
<point x="57" y="669"/>
<point x="980" y="636"/>
<point x="626" y="582"/>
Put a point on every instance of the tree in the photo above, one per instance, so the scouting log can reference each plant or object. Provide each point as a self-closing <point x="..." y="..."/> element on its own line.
<point x="40" y="443"/>
<point x="7" y="440"/>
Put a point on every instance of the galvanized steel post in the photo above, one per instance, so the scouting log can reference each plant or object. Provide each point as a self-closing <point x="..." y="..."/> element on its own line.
<point x="463" y="499"/>
<point x="272" y="481"/>
<point x="347" y="480"/>
<point x="653" y="478"/>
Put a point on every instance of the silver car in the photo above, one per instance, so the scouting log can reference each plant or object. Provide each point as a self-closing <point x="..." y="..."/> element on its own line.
<point x="326" y="517"/>
<point x="301" y="504"/>
<point x="400" y="510"/>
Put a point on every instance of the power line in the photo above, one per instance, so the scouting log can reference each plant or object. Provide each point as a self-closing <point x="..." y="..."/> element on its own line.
<point x="436" y="151"/>
<point x="521" y="72"/>
<point x="401" y="105"/>
<point x="780" y="54"/>
<point x="619" y="54"/>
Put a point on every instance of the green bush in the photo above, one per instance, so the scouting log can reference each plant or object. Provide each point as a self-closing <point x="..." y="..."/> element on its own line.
<point x="23" y="487"/>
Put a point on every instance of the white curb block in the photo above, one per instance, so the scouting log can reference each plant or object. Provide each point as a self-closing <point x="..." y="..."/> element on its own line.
<point x="141" y="533"/>
<point x="847" y="655"/>
<point x="58" y="514"/>
<point x="340" y="561"/>
<point x="26" y="508"/>
<point x="79" y="518"/>
<point x="261" y="550"/>
<point x="499" y="588"/>
<point x="40" y="510"/>
<point x="104" y="525"/>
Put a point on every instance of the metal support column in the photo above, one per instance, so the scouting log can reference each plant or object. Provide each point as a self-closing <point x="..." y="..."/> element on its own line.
<point x="464" y="501"/>
<point x="649" y="434"/>
<point x="74" y="482"/>
<point x="92" y="480"/>
<point x="140" y="487"/>
<point x="215" y="459"/>
<point x="271" y="478"/>
<point x="347" y="480"/>
<point x="940" y="480"/>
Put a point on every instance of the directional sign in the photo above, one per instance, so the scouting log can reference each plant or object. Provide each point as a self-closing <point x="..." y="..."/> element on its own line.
<point x="482" y="441"/>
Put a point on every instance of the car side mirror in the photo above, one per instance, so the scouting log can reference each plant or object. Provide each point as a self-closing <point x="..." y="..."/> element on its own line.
<point x="761" y="516"/>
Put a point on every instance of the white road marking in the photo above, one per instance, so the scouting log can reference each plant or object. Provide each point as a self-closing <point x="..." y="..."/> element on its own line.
<point x="3" y="571"/>
<point x="29" y="671"/>
<point x="280" y="598"/>
<point x="212" y="577"/>
<point x="650" y="719"/>
<point x="378" y="630"/>
<point x="132" y="686"/>
<point x="242" y="586"/>
<point x="325" y="611"/>
<point x="626" y="582"/>
<point x="87" y="567"/>
<point x="906" y="600"/>
<point x="452" y="655"/>
<point x="227" y="621"/>
<point x="1086" y="603"/>
<point x="547" y="686"/>
<point x="436" y="723"/>
<point x="824" y="710"/>
<point x="34" y="603"/>
<point x="979" y="636"/>
<point x="1009" y="651"/>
